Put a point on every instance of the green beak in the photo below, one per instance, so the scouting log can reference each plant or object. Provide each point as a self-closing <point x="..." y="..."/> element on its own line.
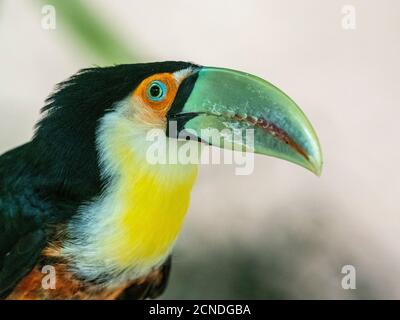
<point x="221" y="99"/>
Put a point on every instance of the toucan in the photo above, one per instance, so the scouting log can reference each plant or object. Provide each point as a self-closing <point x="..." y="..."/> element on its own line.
<point x="82" y="200"/>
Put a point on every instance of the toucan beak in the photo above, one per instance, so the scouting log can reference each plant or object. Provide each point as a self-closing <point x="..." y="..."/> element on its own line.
<point x="221" y="99"/>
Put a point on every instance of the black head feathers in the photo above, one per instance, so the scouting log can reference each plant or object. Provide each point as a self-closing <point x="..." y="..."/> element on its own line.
<point x="64" y="142"/>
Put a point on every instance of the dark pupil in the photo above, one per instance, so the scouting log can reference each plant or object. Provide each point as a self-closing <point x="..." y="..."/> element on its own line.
<point x="155" y="91"/>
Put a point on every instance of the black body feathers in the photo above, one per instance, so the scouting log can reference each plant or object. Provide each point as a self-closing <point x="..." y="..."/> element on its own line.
<point x="43" y="182"/>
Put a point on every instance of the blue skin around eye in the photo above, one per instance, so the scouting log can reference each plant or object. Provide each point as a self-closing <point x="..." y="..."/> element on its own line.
<point x="162" y="88"/>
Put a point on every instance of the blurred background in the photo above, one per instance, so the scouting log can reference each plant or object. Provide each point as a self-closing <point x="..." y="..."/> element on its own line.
<point x="280" y="232"/>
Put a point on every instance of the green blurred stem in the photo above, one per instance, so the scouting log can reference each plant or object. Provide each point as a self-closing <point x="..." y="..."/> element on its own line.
<point x="92" y="32"/>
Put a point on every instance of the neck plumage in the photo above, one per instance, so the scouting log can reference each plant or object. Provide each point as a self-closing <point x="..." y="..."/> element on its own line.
<point x="133" y="225"/>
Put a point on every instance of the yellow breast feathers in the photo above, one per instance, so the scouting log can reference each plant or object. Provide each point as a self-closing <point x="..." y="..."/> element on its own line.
<point x="149" y="202"/>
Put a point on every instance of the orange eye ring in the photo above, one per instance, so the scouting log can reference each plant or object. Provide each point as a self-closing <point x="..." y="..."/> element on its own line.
<point x="157" y="92"/>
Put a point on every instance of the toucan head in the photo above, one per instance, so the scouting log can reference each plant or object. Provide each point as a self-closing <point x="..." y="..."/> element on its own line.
<point x="151" y="95"/>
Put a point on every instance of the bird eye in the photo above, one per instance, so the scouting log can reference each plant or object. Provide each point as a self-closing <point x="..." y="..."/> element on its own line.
<point x="156" y="91"/>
